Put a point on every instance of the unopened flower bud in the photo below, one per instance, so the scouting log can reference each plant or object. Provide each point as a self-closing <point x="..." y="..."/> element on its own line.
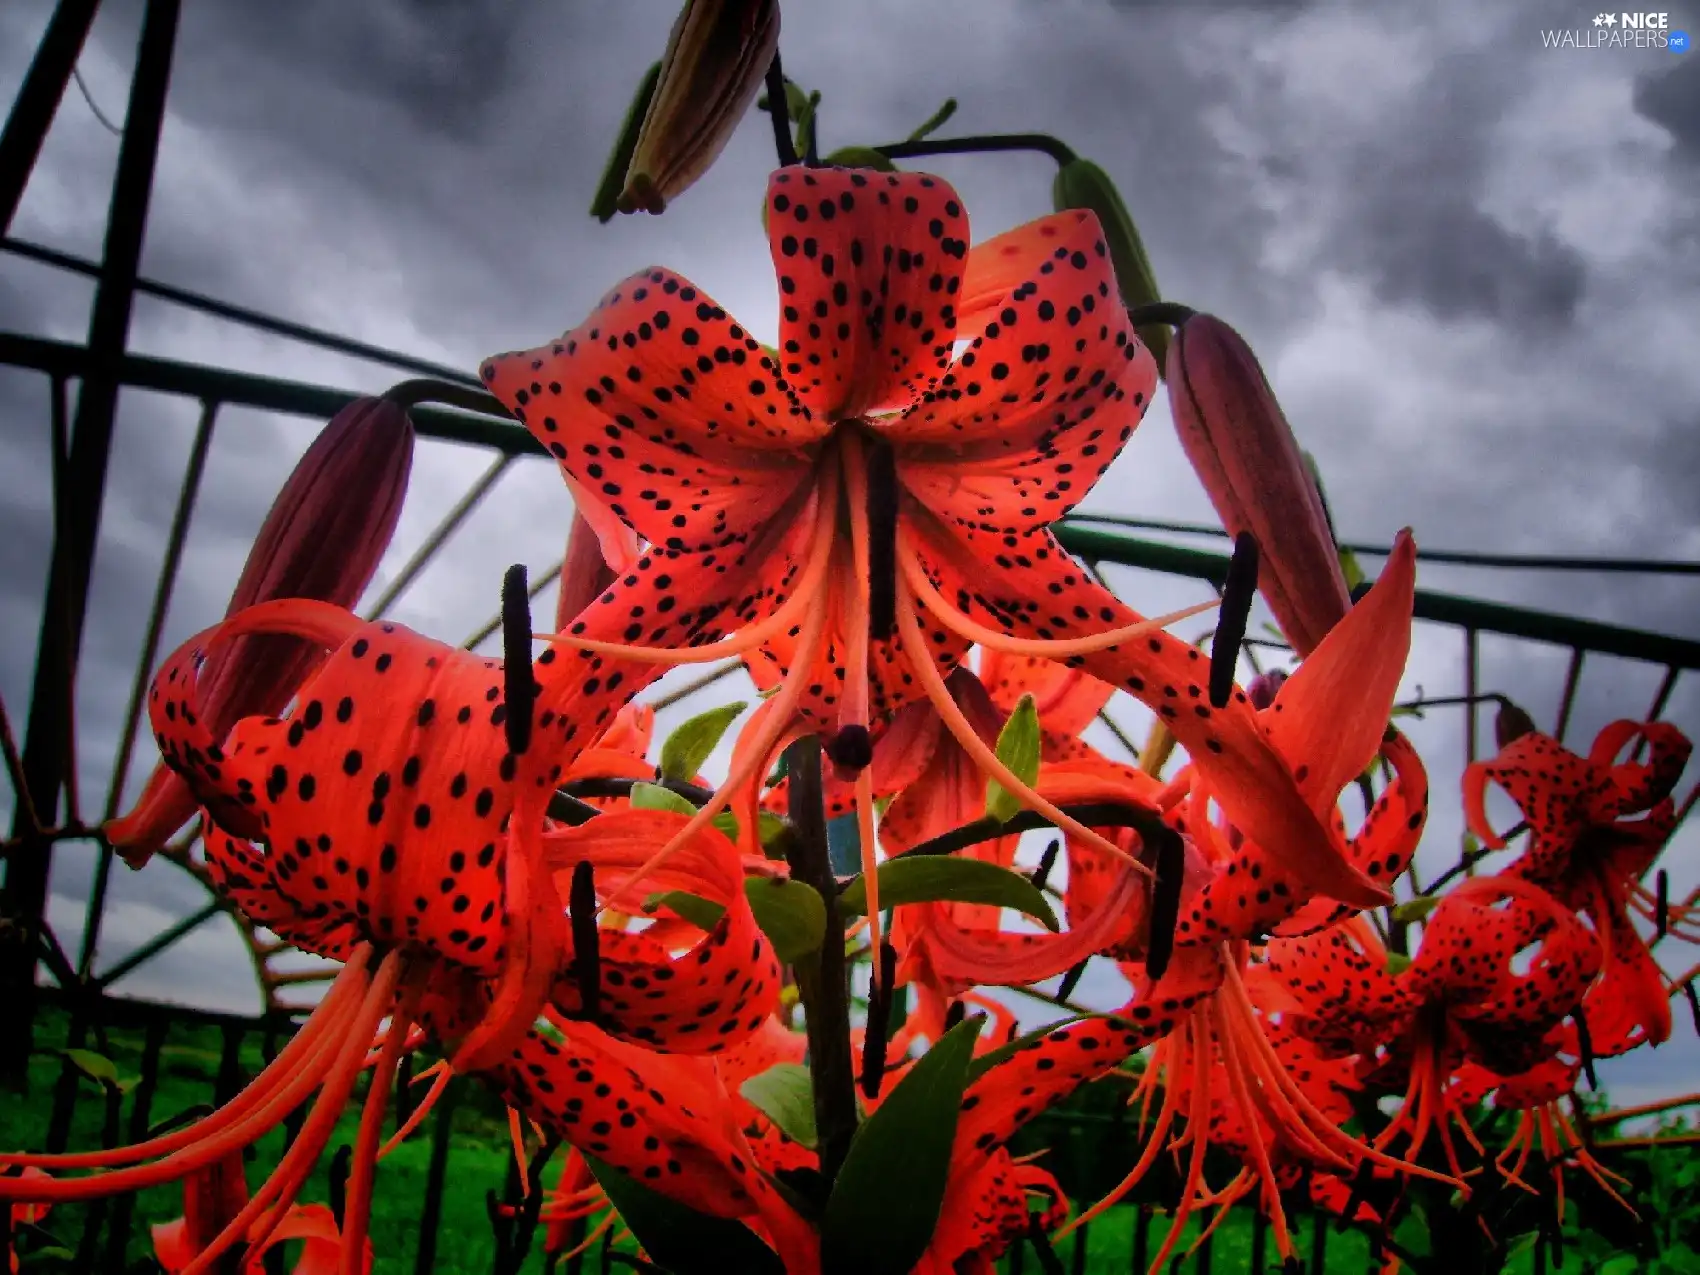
<point x="323" y="538"/>
<point x="1511" y="723"/>
<point x="716" y="60"/>
<point x="1083" y="184"/>
<point x="1264" y="687"/>
<point x="1243" y="450"/>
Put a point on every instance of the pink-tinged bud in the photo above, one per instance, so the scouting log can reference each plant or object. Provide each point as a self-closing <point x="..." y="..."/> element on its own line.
<point x="1264" y="687"/>
<point x="1243" y="450"/>
<point x="1510" y="724"/>
<point x="322" y="540"/>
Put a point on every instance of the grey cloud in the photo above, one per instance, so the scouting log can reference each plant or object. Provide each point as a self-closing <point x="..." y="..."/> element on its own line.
<point x="1672" y="101"/>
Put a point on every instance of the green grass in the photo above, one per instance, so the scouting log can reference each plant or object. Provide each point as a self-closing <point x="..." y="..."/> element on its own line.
<point x="478" y="1163"/>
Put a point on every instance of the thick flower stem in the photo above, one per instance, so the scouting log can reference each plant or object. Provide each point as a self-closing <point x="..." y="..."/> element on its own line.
<point x="823" y="984"/>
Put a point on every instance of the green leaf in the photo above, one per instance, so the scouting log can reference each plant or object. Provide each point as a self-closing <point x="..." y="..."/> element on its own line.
<point x="932" y="878"/>
<point x="885" y="1205"/>
<point x="679" y="1238"/>
<point x="785" y="1093"/>
<point x="1350" y="569"/>
<point x="1415" y="910"/>
<point x="1003" y="1053"/>
<point x="1397" y="963"/>
<point x="700" y="912"/>
<point x="726" y="824"/>
<point x="687" y="748"/>
<point x="1018" y="748"/>
<point x="791" y="914"/>
<point x="97" y="1067"/>
<point x="860" y="157"/>
<point x="655" y="797"/>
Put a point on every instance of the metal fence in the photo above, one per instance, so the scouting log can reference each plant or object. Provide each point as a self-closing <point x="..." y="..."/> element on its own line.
<point x="48" y="809"/>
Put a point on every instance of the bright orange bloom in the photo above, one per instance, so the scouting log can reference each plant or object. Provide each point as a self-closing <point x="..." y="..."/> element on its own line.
<point x="861" y="509"/>
<point x="1587" y="847"/>
<point x="322" y="539"/>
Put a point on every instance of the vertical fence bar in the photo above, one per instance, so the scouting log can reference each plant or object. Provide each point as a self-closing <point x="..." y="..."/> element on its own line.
<point x="118" y="1237"/>
<point x="1318" y="1242"/>
<point x="38" y="100"/>
<point x="1259" y="1241"/>
<point x="1141" y="1240"/>
<point x="45" y="753"/>
<point x="144" y="671"/>
<point x="1078" y="1262"/>
<point x="1567" y="698"/>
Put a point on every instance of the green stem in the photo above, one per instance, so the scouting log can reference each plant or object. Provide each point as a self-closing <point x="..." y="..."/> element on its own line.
<point x="823" y="985"/>
<point x="410" y="394"/>
<point x="990" y="143"/>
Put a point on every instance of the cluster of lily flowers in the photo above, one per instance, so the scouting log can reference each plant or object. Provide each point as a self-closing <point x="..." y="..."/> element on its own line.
<point x="863" y="514"/>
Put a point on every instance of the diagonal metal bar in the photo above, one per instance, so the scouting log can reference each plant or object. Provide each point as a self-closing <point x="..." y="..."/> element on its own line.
<point x="268" y="393"/>
<point x="444" y="529"/>
<point x="38" y="100"/>
<point x="175" y="538"/>
<point x="157" y="944"/>
<point x="1567" y="698"/>
<point x="1472" y="670"/>
<point x="540" y="582"/>
<point x="60" y="640"/>
<point x="247" y="318"/>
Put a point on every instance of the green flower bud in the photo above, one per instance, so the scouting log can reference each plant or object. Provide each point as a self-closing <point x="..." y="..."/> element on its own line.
<point x="1082" y="184"/>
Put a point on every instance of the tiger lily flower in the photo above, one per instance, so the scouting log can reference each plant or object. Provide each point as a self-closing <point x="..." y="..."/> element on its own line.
<point x="1542" y="1125"/>
<point x="665" y="1120"/>
<point x="850" y="515"/>
<point x="1460" y="999"/>
<point x="1333" y="709"/>
<point x="1589" y="850"/>
<point x="367" y="447"/>
<point x="384" y="823"/>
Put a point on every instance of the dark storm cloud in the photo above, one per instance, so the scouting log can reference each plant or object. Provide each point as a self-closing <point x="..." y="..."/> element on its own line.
<point x="1420" y="232"/>
<point x="418" y="174"/>
<point x="1672" y="101"/>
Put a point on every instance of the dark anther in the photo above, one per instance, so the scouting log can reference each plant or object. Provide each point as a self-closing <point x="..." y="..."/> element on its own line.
<point x="338" y="1181"/>
<point x="1049" y="1262"/>
<point x="955" y="1014"/>
<point x="516" y="659"/>
<point x="1693" y="1004"/>
<point x="1046" y="863"/>
<point x="1237" y="593"/>
<point x="879" y="1021"/>
<point x="778" y="106"/>
<point x="1071" y="980"/>
<point x="882" y="541"/>
<point x="587" y="950"/>
<point x="1360" y="1186"/>
<point x="851" y="749"/>
<point x="1585" y="1047"/>
<point x="1170" y="853"/>
<point x="1662" y="917"/>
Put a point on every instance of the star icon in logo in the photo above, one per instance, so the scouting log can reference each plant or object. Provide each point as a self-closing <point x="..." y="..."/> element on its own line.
<point x="1599" y="19"/>
<point x="1611" y="19"/>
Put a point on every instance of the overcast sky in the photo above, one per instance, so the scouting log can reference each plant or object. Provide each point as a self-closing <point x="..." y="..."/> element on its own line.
<point x="1468" y="262"/>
